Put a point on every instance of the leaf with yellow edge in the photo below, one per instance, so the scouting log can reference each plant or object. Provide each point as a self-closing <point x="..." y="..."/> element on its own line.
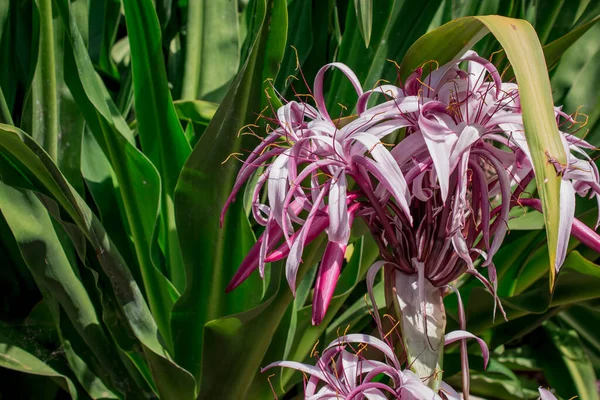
<point x="524" y="51"/>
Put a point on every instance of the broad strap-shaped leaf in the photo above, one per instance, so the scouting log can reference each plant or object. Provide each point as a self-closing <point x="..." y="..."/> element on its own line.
<point x="575" y="84"/>
<point x="106" y="15"/>
<point x="259" y="326"/>
<point x="211" y="254"/>
<point x="519" y="40"/>
<point x="567" y="365"/>
<point x="171" y="380"/>
<point x="196" y="111"/>
<point x="29" y="357"/>
<point x="138" y="180"/>
<point x="399" y="23"/>
<point x="197" y="114"/>
<point x="57" y="278"/>
<point x="160" y="132"/>
<point x="578" y="281"/>
<point x="212" y="51"/>
<point x="364" y="15"/>
<point x="45" y="111"/>
<point x="50" y="113"/>
<point x="554" y="50"/>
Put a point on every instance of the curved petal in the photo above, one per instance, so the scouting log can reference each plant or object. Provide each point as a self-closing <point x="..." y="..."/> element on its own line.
<point x="567" y="215"/>
<point x="546" y="394"/>
<point x="370" y="340"/>
<point x="339" y="220"/>
<point x="461" y="335"/>
<point x="329" y="272"/>
<point x="389" y="91"/>
<point x="318" y="86"/>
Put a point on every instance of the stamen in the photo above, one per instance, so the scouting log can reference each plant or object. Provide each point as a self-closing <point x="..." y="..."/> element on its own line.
<point x="232" y="155"/>
<point x="314" y="352"/>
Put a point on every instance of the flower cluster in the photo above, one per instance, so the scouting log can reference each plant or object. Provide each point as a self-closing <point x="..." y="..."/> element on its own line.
<point x="349" y="375"/>
<point x="439" y="199"/>
<point x="340" y="374"/>
<point x="437" y="203"/>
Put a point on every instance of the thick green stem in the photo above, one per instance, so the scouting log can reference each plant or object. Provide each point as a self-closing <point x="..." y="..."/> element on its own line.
<point x="193" y="50"/>
<point x="45" y="108"/>
<point x="5" y="116"/>
<point x="420" y="307"/>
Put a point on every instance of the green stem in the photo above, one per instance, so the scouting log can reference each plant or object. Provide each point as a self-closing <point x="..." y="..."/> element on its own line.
<point x="45" y="108"/>
<point x="193" y="48"/>
<point x="422" y="316"/>
<point x="5" y="116"/>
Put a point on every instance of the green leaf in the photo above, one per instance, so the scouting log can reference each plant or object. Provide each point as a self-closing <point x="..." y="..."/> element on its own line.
<point x="45" y="110"/>
<point x="56" y="277"/>
<point x="522" y="219"/>
<point x="301" y="37"/>
<point x="497" y="386"/>
<point x="365" y="253"/>
<point x="212" y="49"/>
<point x="5" y="117"/>
<point x="160" y="132"/>
<point x="576" y="86"/>
<point x="70" y="121"/>
<point x="554" y="50"/>
<point x="196" y="111"/>
<point x="212" y="255"/>
<point x="103" y="25"/>
<point x="138" y="180"/>
<point x="29" y="357"/>
<point x="569" y="360"/>
<point x="519" y="40"/>
<point x="102" y="184"/>
<point x="21" y="149"/>
<point x="197" y="114"/>
<point x="578" y="281"/>
<point x="364" y="15"/>
<point x="583" y="320"/>
<point x="399" y="23"/>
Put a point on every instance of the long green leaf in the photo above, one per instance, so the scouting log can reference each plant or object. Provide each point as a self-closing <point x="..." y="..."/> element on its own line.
<point x="29" y="357"/>
<point x="45" y="118"/>
<point x="197" y="111"/>
<point x="578" y="281"/>
<point x="519" y="40"/>
<point x="571" y="371"/>
<point x="138" y="180"/>
<point x="399" y="23"/>
<point x="56" y="277"/>
<point x="554" y="50"/>
<point x="171" y="380"/>
<point x="212" y="255"/>
<point x="70" y="121"/>
<point x="160" y="132"/>
<point x="212" y="49"/>
<point x="364" y="14"/>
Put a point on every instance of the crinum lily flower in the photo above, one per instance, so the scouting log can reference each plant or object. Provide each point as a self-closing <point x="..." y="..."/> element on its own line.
<point x="466" y="162"/>
<point x="437" y="204"/>
<point x="342" y="374"/>
<point x="308" y="146"/>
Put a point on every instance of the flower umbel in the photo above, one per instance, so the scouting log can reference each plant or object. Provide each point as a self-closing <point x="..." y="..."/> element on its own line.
<point x="436" y="202"/>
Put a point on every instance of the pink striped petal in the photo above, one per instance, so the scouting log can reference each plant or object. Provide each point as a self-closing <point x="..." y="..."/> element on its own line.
<point x="329" y="272"/>
<point x="462" y="335"/>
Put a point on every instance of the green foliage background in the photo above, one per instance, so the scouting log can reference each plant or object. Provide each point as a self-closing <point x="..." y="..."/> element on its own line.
<point x="116" y="117"/>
